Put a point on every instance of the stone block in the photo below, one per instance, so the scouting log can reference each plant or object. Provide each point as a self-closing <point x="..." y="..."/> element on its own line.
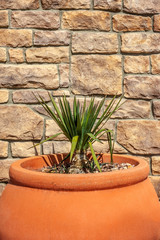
<point x="136" y="64"/>
<point x="69" y="4"/>
<point x="157" y="23"/>
<point x="112" y="5"/>
<point x="4" y="18"/>
<point x="4" y="96"/>
<point x="4" y="149"/>
<point x="142" y="6"/>
<point x="155" y="62"/>
<point x="156" y="109"/>
<point x="19" y="4"/>
<point x="16" y="55"/>
<point x="156" y="165"/>
<point x="3" y="56"/>
<point x="28" y="96"/>
<point x="24" y="149"/>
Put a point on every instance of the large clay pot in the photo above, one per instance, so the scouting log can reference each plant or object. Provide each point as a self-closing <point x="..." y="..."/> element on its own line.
<point x="121" y="205"/>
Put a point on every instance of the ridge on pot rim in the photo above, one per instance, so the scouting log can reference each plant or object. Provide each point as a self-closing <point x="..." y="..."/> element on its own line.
<point x="23" y="172"/>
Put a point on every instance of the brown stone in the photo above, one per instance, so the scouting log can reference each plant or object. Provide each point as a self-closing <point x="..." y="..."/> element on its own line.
<point x="28" y="96"/>
<point x="24" y="149"/>
<point x="63" y="4"/>
<point x="4" y="149"/>
<point x="95" y="20"/>
<point x="50" y="38"/>
<point x="139" y="136"/>
<point x="145" y="87"/>
<point x="35" y="19"/>
<point x="56" y="147"/>
<point x="64" y="75"/>
<point x="155" y="62"/>
<point x="15" y="38"/>
<point x="4" y="169"/>
<point x="129" y="23"/>
<point x="52" y="129"/>
<point x="113" y="5"/>
<point x="19" y="4"/>
<point x="157" y="23"/>
<point x="110" y="125"/>
<point x="20" y="123"/>
<point x="3" y="56"/>
<point x="94" y="42"/>
<point x="4" y="95"/>
<point x="156" y="109"/>
<point x="156" y="165"/>
<point x="140" y="43"/>
<point x="29" y="76"/>
<point x="136" y="64"/>
<point x="96" y="74"/>
<point x="155" y="180"/>
<point x="4" y="19"/>
<point x="16" y="55"/>
<point x="142" y="6"/>
<point x="2" y="187"/>
<point x="48" y="55"/>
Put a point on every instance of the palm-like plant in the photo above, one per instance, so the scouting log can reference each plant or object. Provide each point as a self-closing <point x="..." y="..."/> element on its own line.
<point x="80" y="125"/>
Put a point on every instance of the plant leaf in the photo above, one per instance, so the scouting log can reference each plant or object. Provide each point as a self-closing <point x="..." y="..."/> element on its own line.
<point x="73" y="146"/>
<point x="94" y="157"/>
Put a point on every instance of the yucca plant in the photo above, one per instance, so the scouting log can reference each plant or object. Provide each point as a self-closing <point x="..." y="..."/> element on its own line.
<point x="81" y="126"/>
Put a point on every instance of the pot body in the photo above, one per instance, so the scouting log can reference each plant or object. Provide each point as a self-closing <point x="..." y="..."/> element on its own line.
<point x="106" y="207"/>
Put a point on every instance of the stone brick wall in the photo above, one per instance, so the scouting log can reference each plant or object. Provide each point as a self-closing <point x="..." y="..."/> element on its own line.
<point x="84" y="48"/>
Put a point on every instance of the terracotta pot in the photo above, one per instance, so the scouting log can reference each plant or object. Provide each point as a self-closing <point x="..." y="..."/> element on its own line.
<point x="120" y="205"/>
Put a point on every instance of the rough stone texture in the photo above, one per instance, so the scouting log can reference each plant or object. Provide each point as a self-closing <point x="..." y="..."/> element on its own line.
<point x="139" y="136"/>
<point x="52" y="129"/>
<point x="3" y="56"/>
<point x="4" y="19"/>
<point x="29" y="76"/>
<point x="24" y="149"/>
<point x="156" y="165"/>
<point x="157" y="23"/>
<point x="155" y="62"/>
<point x="156" y="109"/>
<point x="156" y="183"/>
<point x="136" y="64"/>
<point x="142" y="6"/>
<point x="27" y="96"/>
<point x="4" y="95"/>
<point x="16" y="55"/>
<point x="94" y="42"/>
<point x="48" y="55"/>
<point x="4" y="169"/>
<point x="2" y="187"/>
<point x="103" y="148"/>
<point x="108" y="125"/>
<point x="4" y="149"/>
<point x="145" y="87"/>
<point x="69" y="4"/>
<point x="40" y="110"/>
<point x="96" y="74"/>
<point x="56" y="147"/>
<point x="64" y="75"/>
<point x="19" y="4"/>
<point x="35" y="19"/>
<point x="48" y="38"/>
<point x="129" y="23"/>
<point x="61" y="92"/>
<point x="76" y="20"/>
<point x="140" y="43"/>
<point x="113" y="5"/>
<point x="15" y="38"/>
<point x="20" y="123"/>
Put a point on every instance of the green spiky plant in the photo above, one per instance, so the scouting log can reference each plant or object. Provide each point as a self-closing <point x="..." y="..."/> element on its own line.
<point x="81" y="126"/>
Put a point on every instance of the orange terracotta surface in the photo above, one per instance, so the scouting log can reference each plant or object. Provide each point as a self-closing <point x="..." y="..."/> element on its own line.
<point x="121" y="205"/>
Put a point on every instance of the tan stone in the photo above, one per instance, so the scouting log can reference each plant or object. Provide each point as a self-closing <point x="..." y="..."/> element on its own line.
<point x="35" y="19"/>
<point x="140" y="43"/>
<point x="4" y="149"/>
<point x="29" y="76"/>
<point x="61" y="92"/>
<point x="155" y="180"/>
<point x="136" y="64"/>
<point x="110" y="125"/>
<point x="56" y="147"/>
<point x="28" y="96"/>
<point x="16" y="55"/>
<point x="40" y="110"/>
<point x="19" y="4"/>
<point x="142" y="6"/>
<point x="156" y="165"/>
<point x="20" y="123"/>
<point x="52" y="129"/>
<point x="48" y="55"/>
<point x="104" y="148"/>
<point x="4" y="169"/>
<point x="155" y="62"/>
<point x="24" y="149"/>
<point x="50" y="38"/>
<point x="64" y="75"/>
<point x="95" y="20"/>
<point x="113" y="5"/>
<point x="63" y="4"/>
<point x="145" y="87"/>
<point x="96" y="74"/>
<point x="3" y="56"/>
<point x="129" y="23"/>
<point x="87" y="42"/>
<point x="2" y="187"/>
<point x="15" y="38"/>
<point x="139" y="136"/>
<point x="157" y="23"/>
<point x="4" y="19"/>
<point x="4" y="95"/>
<point x="156" y="109"/>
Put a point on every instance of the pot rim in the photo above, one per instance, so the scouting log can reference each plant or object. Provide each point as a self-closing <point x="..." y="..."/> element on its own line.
<point x="22" y="176"/>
